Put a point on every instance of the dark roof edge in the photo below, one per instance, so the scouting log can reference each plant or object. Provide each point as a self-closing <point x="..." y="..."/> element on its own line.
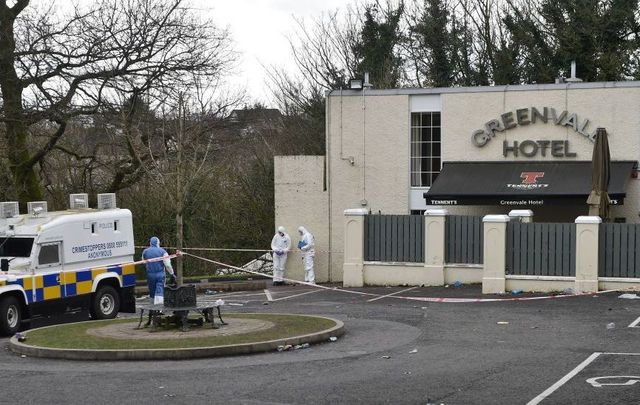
<point x="487" y="89"/>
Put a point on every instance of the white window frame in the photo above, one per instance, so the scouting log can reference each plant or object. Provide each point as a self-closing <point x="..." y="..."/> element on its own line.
<point x="417" y="147"/>
<point x="46" y="265"/>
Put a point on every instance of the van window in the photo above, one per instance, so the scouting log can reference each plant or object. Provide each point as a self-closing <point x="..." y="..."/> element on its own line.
<point x="49" y="254"/>
<point x="15" y="247"/>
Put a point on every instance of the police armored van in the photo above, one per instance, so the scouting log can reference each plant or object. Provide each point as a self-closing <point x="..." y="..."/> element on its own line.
<point x="65" y="261"/>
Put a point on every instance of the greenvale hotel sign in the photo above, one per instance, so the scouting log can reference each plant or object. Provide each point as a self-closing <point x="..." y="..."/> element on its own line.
<point x="532" y="148"/>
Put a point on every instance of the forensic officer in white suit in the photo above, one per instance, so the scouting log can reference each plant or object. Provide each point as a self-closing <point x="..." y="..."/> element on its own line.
<point x="280" y="245"/>
<point x="307" y="246"/>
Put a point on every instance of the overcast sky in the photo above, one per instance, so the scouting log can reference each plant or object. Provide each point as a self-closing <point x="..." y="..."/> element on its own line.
<point x="259" y="29"/>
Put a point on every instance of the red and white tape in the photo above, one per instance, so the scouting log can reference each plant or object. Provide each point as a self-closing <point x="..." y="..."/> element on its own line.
<point x="270" y="276"/>
<point x="208" y="249"/>
<point x="421" y="299"/>
<point x="468" y="300"/>
<point x="178" y="253"/>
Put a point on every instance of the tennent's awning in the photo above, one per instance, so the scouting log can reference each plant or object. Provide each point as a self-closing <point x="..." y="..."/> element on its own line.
<point x="523" y="184"/>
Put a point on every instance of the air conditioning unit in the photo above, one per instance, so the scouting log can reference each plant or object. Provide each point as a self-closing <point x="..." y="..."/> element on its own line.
<point x="9" y="209"/>
<point x="77" y="201"/>
<point x="37" y="207"/>
<point x="106" y="201"/>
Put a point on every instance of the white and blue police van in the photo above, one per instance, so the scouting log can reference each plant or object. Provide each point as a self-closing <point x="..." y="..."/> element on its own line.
<point x="65" y="261"/>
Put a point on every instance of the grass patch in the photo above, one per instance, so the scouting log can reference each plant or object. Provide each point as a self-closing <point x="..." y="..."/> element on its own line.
<point x="75" y="336"/>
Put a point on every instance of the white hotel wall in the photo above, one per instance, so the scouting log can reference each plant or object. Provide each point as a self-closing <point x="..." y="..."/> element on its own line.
<point x="380" y="170"/>
<point x="380" y="173"/>
<point x="300" y="199"/>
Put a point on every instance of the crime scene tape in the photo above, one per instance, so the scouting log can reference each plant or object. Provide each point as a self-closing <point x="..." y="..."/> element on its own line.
<point x="157" y="259"/>
<point x="421" y="299"/>
<point x="184" y="249"/>
<point x="143" y="261"/>
<point x="270" y="276"/>
<point x="135" y="263"/>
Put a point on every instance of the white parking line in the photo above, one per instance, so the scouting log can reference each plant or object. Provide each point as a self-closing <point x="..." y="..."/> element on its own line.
<point x="236" y="295"/>
<point x="635" y="323"/>
<point x="233" y="293"/>
<point x="297" y="295"/>
<point x="564" y="379"/>
<point x="254" y="294"/>
<point x="621" y="354"/>
<point x="242" y="294"/>
<point x="226" y="301"/>
<point x="389" y="295"/>
<point x="268" y="294"/>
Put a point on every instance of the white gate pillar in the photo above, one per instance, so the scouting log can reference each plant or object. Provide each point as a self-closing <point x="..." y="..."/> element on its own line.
<point x="494" y="251"/>
<point x="434" y="245"/>
<point x="352" y="268"/>
<point x="587" y="233"/>
<point x="524" y="216"/>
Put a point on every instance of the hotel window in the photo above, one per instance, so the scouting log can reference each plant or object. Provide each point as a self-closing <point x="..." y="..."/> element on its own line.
<point x="425" y="148"/>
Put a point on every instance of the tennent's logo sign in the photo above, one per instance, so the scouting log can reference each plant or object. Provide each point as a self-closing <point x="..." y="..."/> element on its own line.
<point x="530" y="177"/>
<point x="529" y="181"/>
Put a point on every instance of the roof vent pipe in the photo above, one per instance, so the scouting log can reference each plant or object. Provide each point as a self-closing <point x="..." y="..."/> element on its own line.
<point x="573" y="77"/>
<point x="366" y="80"/>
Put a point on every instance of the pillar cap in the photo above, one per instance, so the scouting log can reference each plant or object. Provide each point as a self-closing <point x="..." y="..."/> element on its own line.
<point x="520" y="213"/>
<point x="436" y="212"/>
<point x="356" y="212"/>
<point x="586" y="219"/>
<point x="496" y="218"/>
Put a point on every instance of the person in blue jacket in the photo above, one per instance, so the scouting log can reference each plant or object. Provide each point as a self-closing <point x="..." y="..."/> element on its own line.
<point x="155" y="270"/>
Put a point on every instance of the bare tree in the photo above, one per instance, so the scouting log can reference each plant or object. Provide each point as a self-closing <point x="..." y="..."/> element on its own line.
<point x="55" y="66"/>
<point x="185" y="157"/>
<point x="324" y="51"/>
<point x="99" y="153"/>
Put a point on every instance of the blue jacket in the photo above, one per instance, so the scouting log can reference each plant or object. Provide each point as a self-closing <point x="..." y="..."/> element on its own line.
<point x="151" y="253"/>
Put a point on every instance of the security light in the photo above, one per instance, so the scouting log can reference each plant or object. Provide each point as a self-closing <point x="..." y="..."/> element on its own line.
<point x="355" y="84"/>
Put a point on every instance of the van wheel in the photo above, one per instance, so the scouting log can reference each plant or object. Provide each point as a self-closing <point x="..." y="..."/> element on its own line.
<point x="105" y="303"/>
<point x="10" y="316"/>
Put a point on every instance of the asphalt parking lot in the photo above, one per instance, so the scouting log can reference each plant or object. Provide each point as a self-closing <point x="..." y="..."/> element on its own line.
<point x="396" y="350"/>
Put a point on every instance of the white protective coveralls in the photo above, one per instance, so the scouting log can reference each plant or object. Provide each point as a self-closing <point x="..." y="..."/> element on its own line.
<point x="307" y="246"/>
<point x="280" y="245"/>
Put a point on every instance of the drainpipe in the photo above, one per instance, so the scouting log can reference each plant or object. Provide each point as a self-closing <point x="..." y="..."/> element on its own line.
<point x="327" y="162"/>
<point x="366" y="85"/>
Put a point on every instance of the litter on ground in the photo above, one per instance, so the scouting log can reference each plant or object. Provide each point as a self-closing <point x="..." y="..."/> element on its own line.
<point x="629" y="296"/>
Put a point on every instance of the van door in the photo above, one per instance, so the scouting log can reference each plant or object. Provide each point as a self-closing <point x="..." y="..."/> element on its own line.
<point x="47" y="285"/>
